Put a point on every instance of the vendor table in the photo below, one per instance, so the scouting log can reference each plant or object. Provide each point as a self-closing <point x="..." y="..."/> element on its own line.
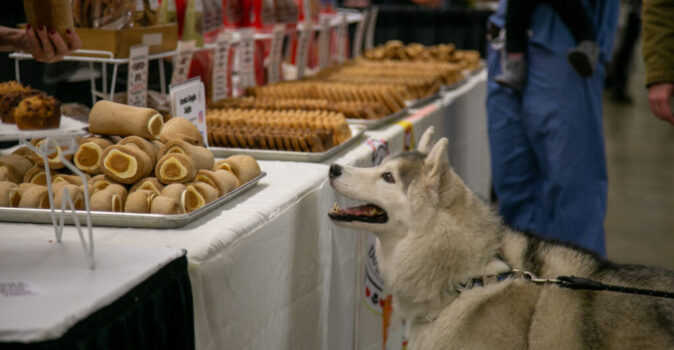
<point x="270" y="271"/>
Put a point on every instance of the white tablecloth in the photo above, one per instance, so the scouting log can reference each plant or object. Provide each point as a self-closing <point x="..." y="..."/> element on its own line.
<point x="270" y="271"/>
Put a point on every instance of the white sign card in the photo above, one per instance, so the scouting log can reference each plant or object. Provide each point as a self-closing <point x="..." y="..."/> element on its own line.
<point x="136" y="86"/>
<point x="273" y="70"/>
<point x="188" y="100"/>
<point x="19" y="289"/>
<point x="372" y="21"/>
<point x="246" y="53"/>
<point x="182" y="61"/>
<point x="324" y="42"/>
<point x="342" y="37"/>
<point x="359" y="34"/>
<point x="220" y="66"/>
<point x="302" y="52"/>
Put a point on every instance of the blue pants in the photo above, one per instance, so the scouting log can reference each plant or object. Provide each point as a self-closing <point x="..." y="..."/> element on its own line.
<point x="547" y="149"/>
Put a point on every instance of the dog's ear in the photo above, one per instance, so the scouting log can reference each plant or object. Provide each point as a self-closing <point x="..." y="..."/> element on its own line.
<point x="437" y="165"/>
<point x="425" y="142"/>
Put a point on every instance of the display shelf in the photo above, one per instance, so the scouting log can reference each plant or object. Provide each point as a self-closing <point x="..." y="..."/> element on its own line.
<point x="68" y="127"/>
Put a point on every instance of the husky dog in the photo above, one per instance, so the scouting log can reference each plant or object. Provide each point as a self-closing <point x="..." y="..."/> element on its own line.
<point x="435" y="237"/>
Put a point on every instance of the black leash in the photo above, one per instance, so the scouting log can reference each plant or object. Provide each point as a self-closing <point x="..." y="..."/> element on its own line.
<point x="581" y="283"/>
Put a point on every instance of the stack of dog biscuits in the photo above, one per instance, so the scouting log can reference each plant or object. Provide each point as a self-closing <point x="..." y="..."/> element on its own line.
<point x="288" y="130"/>
<point x="128" y="167"/>
<point x="447" y="53"/>
<point x="350" y="109"/>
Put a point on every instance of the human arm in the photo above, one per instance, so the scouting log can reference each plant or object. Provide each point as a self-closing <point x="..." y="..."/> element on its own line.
<point x="45" y="45"/>
<point x="658" y="52"/>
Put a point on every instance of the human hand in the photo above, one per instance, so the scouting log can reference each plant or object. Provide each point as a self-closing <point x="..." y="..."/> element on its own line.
<point x="48" y="46"/>
<point x="660" y="96"/>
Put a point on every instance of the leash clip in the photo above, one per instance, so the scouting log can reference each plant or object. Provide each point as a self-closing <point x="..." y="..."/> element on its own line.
<point x="531" y="277"/>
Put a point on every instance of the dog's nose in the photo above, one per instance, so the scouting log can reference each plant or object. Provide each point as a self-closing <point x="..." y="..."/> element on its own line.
<point x="335" y="171"/>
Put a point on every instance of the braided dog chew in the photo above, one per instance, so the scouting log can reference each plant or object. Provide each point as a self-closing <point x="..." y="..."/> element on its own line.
<point x="221" y="180"/>
<point x="165" y="205"/>
<point x="34" y="196"/>
<point x="203" y="158"/>
<point x="181" y="129"/>
<point x="106" y="200"/>
<point x="14" y="167"/>
<point x="10" y="194"/>
<point x="110" y="118"/>
<point x="150" y="148"/>
<point x="125" y="164"/>
<point x="139" y="202"/>
<point x="175" y="167"/>
<point x="244" y="167"/>
<point x="148" y="183"/>
<point x="88" y="154"/>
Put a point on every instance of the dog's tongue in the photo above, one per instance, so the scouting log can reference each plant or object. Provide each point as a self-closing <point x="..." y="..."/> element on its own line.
<point x="362" y="210"/>
<point x="367" y="213"/>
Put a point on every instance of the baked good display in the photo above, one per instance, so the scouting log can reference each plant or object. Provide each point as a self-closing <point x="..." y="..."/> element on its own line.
<point x="89" y="153"/>
<point x="53" y="14"/>
<point x="125" y="164"/>
<point x="110" y="118"/>
<point x="447" y="53"/>
<point x="181" y="129"/>
<point x="292" y="130"/>
<point x="36" y="112"/>
<point x="10" y="194"/>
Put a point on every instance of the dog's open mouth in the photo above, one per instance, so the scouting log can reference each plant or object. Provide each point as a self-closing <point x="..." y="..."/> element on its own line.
<point x="369" y="213"/>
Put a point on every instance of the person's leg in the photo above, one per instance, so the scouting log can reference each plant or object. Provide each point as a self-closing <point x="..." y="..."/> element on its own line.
<point x="563" y="115"/>
<point x="584" y="57"/>
<point x="623" y="56"/>
<point x="513" y="64"/>
<point x="514" y="170"/>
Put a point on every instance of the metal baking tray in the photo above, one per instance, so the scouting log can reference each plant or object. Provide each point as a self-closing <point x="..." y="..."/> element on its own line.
<point x="105" y="218"/>
<point x="310" y="157"/>
<point x="454" y="86"/>
<point x="369" y="124"/>
<point x="423" y="101"/>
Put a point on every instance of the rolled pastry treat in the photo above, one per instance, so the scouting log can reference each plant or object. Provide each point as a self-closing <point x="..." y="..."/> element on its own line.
<point x="203" y="158"/>
<point x="98" y="183"/>
<point x="181" y="129"/>
<point x="118" y="190"/>
<point x="28" y="154"/>
<point x="165" y="205"/>
<point x="125" y="164"/>
<point x="53" y="159"/>
<point x="144" y="145"/>
<point x="72" y="179"/>
<point x="175" y="167"/>
<point x="34" y="196"/>
<point x="106" y="200"/>
<point x="209" y="193"/>
<point x="192" y="199"/>
<point x="174" y="191"/>
<point x="88" y="155"/>
<point x="110" y="118"/>
<point x="36" y="175"/>
<point x="221" y="180"/>
<point x="10" y="194"/>
<point x="148" y="183"/>
<point x="245" y="168"/>
<point x="15" y="167"/>
<point x="76" y="194"/>
<point x="139" y="202"/>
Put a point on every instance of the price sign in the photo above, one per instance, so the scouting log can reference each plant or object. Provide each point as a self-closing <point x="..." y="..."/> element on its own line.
<point x="220" y="65"/>
<point x="188" y="100"/>
<point x="136" y="87"/>
<point x="360" y="32"/>
<point x="302" y="48"/>
<point x="246" y="53"/>
<point x="182" y="61"/>
<point x="342" y="36"/>
<point x="324" y="42"/>
<point x="372" y="21"/>
<point x="274" y="67"/>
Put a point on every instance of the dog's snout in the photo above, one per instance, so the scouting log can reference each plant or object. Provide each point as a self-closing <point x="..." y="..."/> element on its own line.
<point x="335" y="171"/>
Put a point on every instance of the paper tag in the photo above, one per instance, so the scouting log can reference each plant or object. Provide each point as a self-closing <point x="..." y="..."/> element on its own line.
<point x="182" y="61"/>
<point x="371" y="23"/>
<point x="301" y="54"/>
<point x="154" y="5"/>
<point x="188" y="100"/>
<point x="324" y="42"/>
<point x="139" y="5"/>
<point x="136" y="87"/>
<point x="358" y="36"/>
<point x="342" y="37"/>
<point x="274" y="67"/>
<point x="220" y="66"/>
<point x="246" y="53"/>
<point x="171" y="5"/>
<point x="19" y="289"/>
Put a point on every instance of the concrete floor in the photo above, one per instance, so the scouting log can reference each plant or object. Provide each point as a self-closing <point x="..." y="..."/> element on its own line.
<point x="640" y="156"/>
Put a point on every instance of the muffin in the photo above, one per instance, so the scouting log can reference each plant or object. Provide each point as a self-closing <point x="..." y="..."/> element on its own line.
<point x="11" y="86"/>
<point x="11" y="99"/>
<point x="38" y="112"/>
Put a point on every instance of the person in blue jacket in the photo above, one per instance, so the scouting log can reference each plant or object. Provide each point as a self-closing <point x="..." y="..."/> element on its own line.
<point x="546" y="141"/>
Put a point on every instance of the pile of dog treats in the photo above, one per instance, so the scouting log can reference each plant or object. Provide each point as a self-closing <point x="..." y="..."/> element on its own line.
<point x="445" y="53"/>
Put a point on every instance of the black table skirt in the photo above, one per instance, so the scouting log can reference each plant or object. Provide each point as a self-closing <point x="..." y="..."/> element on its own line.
<point x="156" y="314"/>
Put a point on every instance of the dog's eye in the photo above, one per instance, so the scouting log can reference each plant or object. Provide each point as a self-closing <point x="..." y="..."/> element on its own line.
<point x="388" y="177"/>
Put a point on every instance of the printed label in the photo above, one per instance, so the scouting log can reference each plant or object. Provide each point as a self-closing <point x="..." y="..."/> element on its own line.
<point x="182" y="61"/>
<point x="188" y="100"/>
<point x="136" y="87"/>
<point x="19" y="289"/>
<point x="246" y="52"/>
<point x="357" y="47"/>
<point x="220" y="66"/>
<point x="324" y="42"/>
<point x="342" y="38"/>
<point x="273" y="70"/>
<point x="301" y="54"/>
